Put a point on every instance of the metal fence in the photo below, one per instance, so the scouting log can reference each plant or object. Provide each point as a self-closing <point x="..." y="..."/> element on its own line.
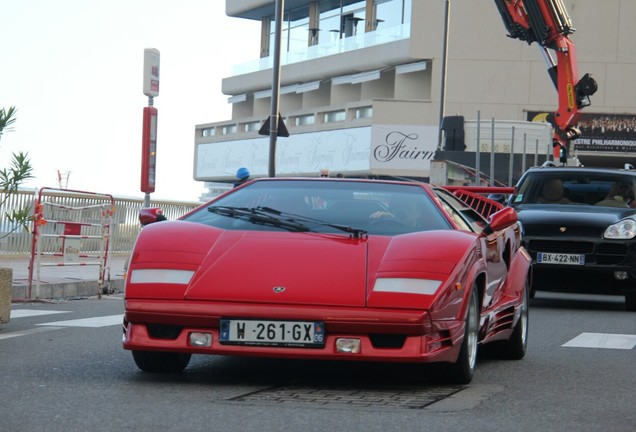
<point x="494" y="153"/>
<point x="15" y="241"/>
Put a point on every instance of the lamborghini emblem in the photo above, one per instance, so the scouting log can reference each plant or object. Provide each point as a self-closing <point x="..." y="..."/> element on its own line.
<point x="563" y="229"/>
<point x="279" y="289"/>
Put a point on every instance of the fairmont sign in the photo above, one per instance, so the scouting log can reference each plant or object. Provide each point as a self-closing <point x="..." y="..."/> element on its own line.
<point x="403" y="148"/>
<point x="394" y="150"/>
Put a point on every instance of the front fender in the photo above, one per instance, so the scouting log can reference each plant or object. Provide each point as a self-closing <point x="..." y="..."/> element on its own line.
<point x="519" y="273"/>
<point x="473" y="275"/>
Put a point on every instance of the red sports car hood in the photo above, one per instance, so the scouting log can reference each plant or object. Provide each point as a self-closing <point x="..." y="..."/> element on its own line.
<point x="252" y="266"/>
<point x="284" y="267"/>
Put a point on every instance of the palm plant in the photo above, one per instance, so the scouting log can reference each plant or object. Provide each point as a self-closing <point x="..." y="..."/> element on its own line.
<point x="11" y="178"/>
<point x="6" y="120"/>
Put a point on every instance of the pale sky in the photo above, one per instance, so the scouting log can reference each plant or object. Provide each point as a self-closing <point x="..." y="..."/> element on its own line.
<point x="74" y="69"/>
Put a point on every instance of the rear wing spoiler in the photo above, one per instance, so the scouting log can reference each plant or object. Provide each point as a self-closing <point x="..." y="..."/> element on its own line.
<point x="476" y="197"/>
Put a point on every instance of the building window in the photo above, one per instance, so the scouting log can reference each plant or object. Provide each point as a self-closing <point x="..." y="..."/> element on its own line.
<point x="295" y="28"/>
<point x="228" y="129"/>
<point x="363" y="112"/>
<point x="251" y="126"/>
<point x="305" y="120"/>
<point x="207" y="132"/>
<point x="334" y="20"/>
<point x="335" y="116"/>
<point x="351" y="24"/>
<point x="389" y="13"/>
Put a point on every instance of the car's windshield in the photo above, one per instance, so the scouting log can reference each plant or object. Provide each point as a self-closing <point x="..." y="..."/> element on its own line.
<point x="373" y="207"/>
<point x="577" y="188"/>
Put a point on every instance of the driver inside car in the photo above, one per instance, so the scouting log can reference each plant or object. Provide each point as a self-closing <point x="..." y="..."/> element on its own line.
<point x="621" y="194"/>
<point x="404" y="210"/>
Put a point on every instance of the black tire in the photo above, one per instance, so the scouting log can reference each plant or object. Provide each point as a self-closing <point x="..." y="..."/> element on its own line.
<point x="630" y="302"/>
<point x="515" y="347"/>
<point x="161" y="362"/>
<point x="533" y="290"/>
<point x="463" y="370"/>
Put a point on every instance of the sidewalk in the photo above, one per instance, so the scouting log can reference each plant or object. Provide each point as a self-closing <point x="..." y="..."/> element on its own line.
<point x="64" y="281"/>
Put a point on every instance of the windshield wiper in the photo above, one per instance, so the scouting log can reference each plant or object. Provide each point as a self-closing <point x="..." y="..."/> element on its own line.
<point x="355" y="232"/>
<point x="277" y="218"/>
<point x="255" y="216"/>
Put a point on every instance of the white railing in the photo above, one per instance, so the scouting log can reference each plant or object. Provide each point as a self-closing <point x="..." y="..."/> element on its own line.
<point x="339" y="46"/>
<point x="15" y="241"/>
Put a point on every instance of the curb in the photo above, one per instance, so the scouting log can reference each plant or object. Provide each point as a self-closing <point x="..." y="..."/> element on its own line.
<point x="56" y="290"/>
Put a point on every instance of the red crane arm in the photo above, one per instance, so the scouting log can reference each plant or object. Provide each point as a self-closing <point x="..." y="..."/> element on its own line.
<point x="547" y="23"/>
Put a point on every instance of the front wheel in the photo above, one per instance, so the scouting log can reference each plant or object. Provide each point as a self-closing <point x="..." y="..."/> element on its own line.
<point x="161" y="362"/>
<point x="463" y="370"/>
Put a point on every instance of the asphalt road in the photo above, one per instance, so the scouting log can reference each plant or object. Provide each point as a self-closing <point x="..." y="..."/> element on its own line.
<point x="62" y="368"/>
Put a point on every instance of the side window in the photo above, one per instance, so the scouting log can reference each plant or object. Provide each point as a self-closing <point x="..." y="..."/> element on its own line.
<point x="466" y="217"/>
<point x="527" y="192"/>
<point x="457" y="218"/>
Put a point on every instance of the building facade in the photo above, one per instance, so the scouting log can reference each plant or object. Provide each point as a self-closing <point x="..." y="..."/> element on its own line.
<point x="364" y="84"/>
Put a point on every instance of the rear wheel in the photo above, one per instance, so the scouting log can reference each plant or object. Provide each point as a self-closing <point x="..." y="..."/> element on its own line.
<point x="515" y="347"/>
<point x="533" y="288"/>
<point x="161" y="362"/>
<point x="463" y="370"/>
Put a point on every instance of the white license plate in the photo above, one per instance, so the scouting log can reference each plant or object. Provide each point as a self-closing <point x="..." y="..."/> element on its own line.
<point x="272" y="333"/>
<point x="560" y="258"/>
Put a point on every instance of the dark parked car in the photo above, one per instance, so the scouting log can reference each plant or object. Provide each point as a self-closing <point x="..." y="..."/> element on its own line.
<point x="579" y="226"/>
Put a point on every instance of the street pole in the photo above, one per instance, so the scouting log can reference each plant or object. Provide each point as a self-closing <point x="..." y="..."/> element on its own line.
<point x="442" y="98"/>
<point x="274" y="112"/>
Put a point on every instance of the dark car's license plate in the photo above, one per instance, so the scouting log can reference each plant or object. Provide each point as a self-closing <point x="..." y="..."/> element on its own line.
<point x="560" y="258"/>
<point x="272" y="333"/>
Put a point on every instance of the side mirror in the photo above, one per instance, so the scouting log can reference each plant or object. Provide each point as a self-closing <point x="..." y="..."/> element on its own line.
<point x="500" y="220"/>
<point x="151" y="215"/>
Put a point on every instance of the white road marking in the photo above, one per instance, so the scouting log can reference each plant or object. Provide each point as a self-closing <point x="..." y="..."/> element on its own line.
<point x="603" y="340"/>
<point x="112" y="297"/>
<point x="103" y="321"/>
<point x="27" y="332"/>
<point x="23" y="313"/>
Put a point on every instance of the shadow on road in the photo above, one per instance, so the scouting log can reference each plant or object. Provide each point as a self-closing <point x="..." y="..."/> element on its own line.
<point x="549" y="300"/>
<point x="276" y="372"/>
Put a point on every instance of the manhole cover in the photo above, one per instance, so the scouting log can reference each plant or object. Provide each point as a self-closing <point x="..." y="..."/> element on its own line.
<point x="402" y="397"/>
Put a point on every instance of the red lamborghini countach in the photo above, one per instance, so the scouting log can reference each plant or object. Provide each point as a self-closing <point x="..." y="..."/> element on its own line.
<point x="330" y="269"/>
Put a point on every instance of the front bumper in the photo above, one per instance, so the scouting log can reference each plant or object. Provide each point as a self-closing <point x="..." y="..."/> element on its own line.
<point x="385" y="335"/>
<point x="603" y="259"/>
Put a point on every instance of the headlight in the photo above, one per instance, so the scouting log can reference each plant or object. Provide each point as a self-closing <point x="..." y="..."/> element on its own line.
<point x="622" y="230"/>
<point x="158" y="276"/>
<point x="406" y="285"/>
